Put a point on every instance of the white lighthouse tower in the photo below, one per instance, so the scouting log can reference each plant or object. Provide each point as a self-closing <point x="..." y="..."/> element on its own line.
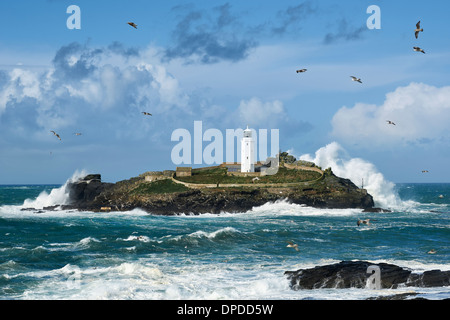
<point x="247" y="152"/>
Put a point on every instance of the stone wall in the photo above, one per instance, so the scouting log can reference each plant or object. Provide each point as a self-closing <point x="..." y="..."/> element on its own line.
<point x="300" y="167"/>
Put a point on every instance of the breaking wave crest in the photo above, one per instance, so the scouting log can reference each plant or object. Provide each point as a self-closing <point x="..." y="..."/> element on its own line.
<point x="359" y="171"/>
<point x="58" y="196"/>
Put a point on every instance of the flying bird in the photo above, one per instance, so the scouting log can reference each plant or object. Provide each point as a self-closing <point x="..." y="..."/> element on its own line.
<point x="418" y="29"/>
<point x="356" y="79"/>
<point x="292" y="245"/>
<point x="301" y="70"/>
<point x="390" y="122"/>
<point x="417" y="49"/>
<point x="146" y="113"/>
<point x="367" y="221"/>
<point x="56" y="135"/>
<point x="134" y="25"/>
<point x="77" y="133"/>
<point x="425" y="171"/>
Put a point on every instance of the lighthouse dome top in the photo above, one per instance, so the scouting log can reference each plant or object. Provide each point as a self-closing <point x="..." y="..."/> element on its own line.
<point x="247" y="133"/>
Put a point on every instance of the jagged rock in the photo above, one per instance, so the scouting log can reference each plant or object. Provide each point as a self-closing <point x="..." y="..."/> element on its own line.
<point x="353" y="274"/>
<point x="93" y="177"/>
<point x="433" y="278"/>
<point x="86" y="189"/>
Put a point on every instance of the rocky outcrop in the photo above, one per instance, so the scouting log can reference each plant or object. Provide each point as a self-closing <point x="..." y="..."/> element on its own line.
<point x="330" y="191"/>
<point x="353" y="274"/>
<point x="85" y="190"/>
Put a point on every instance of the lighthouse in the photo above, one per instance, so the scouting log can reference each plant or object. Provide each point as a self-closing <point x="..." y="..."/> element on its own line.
<point x="247" y="152"/>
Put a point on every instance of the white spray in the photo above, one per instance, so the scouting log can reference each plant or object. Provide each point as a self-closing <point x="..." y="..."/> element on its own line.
<point x="58" y="196"/>
<point x="357" y="170"/>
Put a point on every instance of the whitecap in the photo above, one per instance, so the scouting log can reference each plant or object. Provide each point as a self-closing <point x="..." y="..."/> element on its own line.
<point x="58" y="196"/>
<point x="134" y="238"/>
<point x="214" y="234"/>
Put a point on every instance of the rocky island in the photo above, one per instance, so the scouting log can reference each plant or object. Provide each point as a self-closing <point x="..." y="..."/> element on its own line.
<point x="217" y="189"/>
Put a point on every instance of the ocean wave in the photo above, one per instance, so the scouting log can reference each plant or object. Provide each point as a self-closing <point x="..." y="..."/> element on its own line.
<point x="214" y="234"/>
<point x="58" y="196"/>
<point x="136" y="238"/>
<point x="17" y="187"/>
<point x="359" y="171"/>
<point x="86" y="242"/>
<point x="159" y="278"/>
<point x="284" y="207"/>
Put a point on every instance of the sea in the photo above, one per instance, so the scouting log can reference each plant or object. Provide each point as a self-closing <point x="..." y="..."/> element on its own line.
<point x="134" y="255"/>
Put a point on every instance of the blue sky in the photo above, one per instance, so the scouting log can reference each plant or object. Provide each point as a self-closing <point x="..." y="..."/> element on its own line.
<point x="227" y="64"/>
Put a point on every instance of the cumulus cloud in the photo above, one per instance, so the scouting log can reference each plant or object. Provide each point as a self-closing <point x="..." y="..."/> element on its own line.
<point x="19" y="85"/>
<point x="257" y="112"/>
<point x="111" y="85"/>
<point x="421" y="113"/>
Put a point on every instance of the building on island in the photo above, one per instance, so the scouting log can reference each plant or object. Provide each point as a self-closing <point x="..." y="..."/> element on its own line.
<point x="183" y="172"/>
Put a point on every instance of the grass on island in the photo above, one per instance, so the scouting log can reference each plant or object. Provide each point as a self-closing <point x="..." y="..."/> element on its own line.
<point x="158" y="187"/>
<point x="219" y="175"/>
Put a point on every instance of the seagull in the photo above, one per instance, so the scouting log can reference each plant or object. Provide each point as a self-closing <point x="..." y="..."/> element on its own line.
<point x="364" y="221"/>
<point x="134" y="25"/>
<point x="356" y="79"/>
<point x="301" y="70"/>
<point x="417" y="49"/>
<point x="390" y="122"/>
<point x="418" y="29"/>
<point x="77" y="133"/>
<point x="292" y="245"/>
<point x="146" y="113"/>
<point x="57" y="135"/>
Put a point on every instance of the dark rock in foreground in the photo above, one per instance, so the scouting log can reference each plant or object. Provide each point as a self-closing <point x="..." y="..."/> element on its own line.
<point x="353" y="274"/>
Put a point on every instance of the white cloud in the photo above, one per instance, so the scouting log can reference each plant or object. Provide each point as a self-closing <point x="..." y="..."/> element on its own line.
<point x="83" y="85"/>
<point x="421" y="113"/>
<point x="22" y="84"/>
<point x="255" y="112"/>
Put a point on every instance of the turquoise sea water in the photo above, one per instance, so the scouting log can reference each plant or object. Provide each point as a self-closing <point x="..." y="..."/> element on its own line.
<point x="135" y="255"/>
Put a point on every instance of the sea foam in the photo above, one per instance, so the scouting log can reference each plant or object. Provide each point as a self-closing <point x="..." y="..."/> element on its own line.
<point x="359" y="171"/>
<point x="58" y="196"/>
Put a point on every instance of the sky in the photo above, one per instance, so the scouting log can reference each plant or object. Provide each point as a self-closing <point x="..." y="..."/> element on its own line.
<point x="227" y="64"/>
